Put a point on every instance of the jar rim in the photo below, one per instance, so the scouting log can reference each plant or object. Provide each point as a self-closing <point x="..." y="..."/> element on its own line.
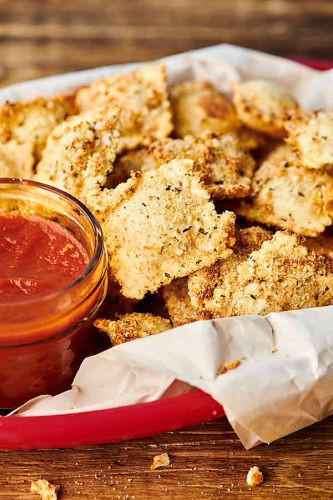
<point x="99" y="247"/>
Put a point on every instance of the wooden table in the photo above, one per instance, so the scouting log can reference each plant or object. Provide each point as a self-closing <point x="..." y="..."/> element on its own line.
<point x="39" y="38"/>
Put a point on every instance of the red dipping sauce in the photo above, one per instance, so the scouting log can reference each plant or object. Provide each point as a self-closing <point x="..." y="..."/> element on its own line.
<point x="53" y="280"/>
<point x="37" y="256"/>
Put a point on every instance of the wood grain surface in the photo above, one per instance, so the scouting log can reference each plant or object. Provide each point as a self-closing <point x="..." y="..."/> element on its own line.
<point x="39" y="38"/>
<point x="206" y="462"/>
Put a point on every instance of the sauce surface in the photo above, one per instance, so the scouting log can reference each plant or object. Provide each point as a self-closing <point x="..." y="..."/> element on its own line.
<point x="37" y="256"/>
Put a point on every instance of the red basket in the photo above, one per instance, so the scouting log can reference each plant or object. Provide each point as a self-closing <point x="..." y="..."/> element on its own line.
<point x="117" y="424"/>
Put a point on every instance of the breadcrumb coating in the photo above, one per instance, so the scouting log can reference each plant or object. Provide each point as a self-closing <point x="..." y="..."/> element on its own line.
<point x="254" y="476"/>
<point x="79" y="154"/>
<point x="32" y="121"/>
<point x="132" y="326"/>
<point x="16" y="160"/>
<point x="161" y="225"/>
<point x="45" y="489"/>
<point x="143" y="98"/>
<point x="162" y="460"/>
<point x="282" y="275"/>
<point x="288" y="196"/>
<point x="203" y="283"/>
<point x="178" y="303"/>
<point x="226" y="167"/>
<point x="311" y="137"/>
<point x="199" y="108"/>
<point x="264" y="106"/>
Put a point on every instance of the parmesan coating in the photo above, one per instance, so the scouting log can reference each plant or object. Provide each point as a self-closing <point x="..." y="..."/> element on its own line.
<point x="143" y="98"/>
<point x="311" y="137"/>
<point x="264" y="106"/>
<point x="161" y="225"/>
<point x="288" y="196"/>
<point x="132" y="326"/>
<point x="283" y="274"/>
<point x="226" y="167"/>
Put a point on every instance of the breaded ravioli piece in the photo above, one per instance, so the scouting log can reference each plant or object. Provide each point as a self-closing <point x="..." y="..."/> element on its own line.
<point x="143" y="97"/>
<point x="178" y="303"/>
<point x="264" y="106"/>
<point x="45" y="489"/>
<point x="161" y="225"/>
<point x="227" y="168"/>
<point x="199" y="108"/>
<point x="16" y="160"/>
<point x="31" y="122"/>
<point x="79" y="154"/>
<point x="132" y="326"/>
<point x="288" y="196"/>
<point x="311" y="137"/>
<point x="202" y="284"/>
<point x="282" y="275"/>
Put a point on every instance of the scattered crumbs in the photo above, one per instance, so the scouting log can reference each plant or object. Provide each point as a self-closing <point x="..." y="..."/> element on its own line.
<point x="254" y="476"/>
<point x="46" y="490"/>
<point x="274" y="349"/>
<point x="162" y="460"/>
<point x="231" y="365"/>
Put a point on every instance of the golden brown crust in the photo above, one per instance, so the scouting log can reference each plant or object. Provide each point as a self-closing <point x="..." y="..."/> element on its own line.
<point x="162" y="460"/>
<point x="203" y="283"/>
<point x="32" y="121"/>
<point x="178" y="304"/>
<point x="142" y="95"/>
<point x="288" y="196"/>
<point x="264" y="106"/>
<point x="254" y="477"/>
<point x="45" y="489"/>
<point x="132" y="326"/>
<point x="227" y="169"/>
<point x="16" y="160"/>
<point x="311" y="137"/>
<point x="80" y="153"/>
<point x="282" y="275"/>
<point x="199" y="108"/>
<point x="160" y="225"/>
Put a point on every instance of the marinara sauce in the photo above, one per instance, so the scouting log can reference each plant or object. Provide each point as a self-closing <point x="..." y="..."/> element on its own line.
<point x="53" y="280"/>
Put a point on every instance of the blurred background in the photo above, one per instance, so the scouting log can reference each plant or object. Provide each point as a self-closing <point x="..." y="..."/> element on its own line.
<point x="44" y="37"/>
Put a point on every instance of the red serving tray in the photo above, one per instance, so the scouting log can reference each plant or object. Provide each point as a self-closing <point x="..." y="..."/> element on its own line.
<point x="117" y="424"/>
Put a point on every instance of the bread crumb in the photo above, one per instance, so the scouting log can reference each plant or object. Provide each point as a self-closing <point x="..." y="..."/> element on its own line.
<point x="162" y="460"/>
<point x="274" y="349"/>
<point x="46" y="490"/>
<point x="254" y="476"/>
<point x="231" y="365"/>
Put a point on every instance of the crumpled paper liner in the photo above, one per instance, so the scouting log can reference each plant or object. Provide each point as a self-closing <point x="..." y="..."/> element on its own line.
<point x="285" y="378"/>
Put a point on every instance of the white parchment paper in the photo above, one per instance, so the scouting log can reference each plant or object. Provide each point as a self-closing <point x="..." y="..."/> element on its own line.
<point x="285" y="379"/>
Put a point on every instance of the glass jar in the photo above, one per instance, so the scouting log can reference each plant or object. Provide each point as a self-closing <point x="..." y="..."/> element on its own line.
<point x="44" y="340"/>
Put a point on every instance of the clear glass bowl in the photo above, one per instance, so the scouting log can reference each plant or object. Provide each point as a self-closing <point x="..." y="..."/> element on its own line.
<point x="44" y="340"/>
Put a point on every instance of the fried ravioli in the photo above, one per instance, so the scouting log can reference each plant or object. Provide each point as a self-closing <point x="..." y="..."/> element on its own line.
<point x="143" y="98"/>
<point x="160" y="225"/>
<point x="282" y="275"/>
<point x="199" y="108"/>
<point x="288" y="196"/>
<point x="132" y="326"/>
<point x="203" y="283"/>
<point x="311" y="137"/>
<point x="32" y="121"/>
<point x="80" y="153"/>
<point x="264" y="106"/>
<point x="226" y="167"/>
<point x="178" y="304"/>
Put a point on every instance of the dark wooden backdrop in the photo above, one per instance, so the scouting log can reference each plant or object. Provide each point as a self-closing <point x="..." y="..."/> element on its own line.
<point x="44" y="37"/>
